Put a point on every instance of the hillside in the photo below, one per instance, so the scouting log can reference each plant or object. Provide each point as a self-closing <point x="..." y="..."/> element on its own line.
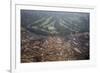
<point x="54" y="36"/>
<point x="54" y="48"/>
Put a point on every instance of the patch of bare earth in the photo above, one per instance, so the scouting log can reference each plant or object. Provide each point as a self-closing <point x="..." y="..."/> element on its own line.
<point x="55" y="48"/>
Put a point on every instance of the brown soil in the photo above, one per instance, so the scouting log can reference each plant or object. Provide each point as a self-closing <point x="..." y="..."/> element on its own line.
<point x="54" y="48"/>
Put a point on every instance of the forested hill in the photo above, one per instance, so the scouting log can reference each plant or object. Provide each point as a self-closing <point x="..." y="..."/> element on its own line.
<point x="52" y="22"/>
